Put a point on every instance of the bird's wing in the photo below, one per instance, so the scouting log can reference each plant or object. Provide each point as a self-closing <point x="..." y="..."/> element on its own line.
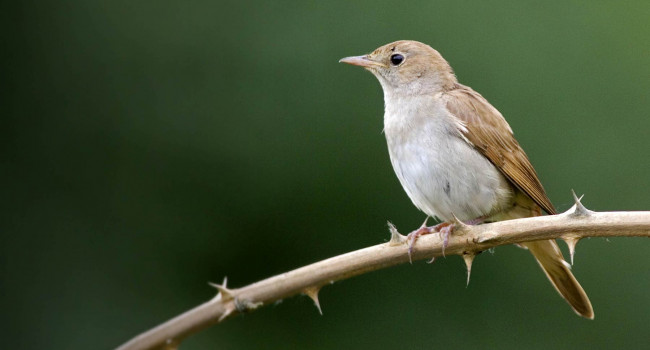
<point x="489" y="132"/>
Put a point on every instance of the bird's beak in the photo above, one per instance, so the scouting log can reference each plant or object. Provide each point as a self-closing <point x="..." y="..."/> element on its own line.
<point x="362" y="61"/>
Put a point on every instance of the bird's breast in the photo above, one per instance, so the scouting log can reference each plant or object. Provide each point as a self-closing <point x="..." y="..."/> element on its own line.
<point x="440" y="171"/>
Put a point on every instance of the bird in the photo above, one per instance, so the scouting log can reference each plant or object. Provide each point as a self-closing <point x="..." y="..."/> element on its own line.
<point x="456" y="156"/>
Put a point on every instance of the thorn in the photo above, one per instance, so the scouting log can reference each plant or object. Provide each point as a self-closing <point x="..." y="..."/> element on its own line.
<point x="395" y="237"/>
<point x="571" y="243"/>
<point x="486" y="237"/>
<point x="432" y="260"/>
<point x="459" y="225"/>
<point x="228" y="309"/>
<point x="469" y="258"/>
<point x="312" y="292"/>
<point x="226" y="294"/>
<point x="578" y="208"/>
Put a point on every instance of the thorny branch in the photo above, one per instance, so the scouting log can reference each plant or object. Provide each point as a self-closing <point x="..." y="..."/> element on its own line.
<point x="467" y="241"/>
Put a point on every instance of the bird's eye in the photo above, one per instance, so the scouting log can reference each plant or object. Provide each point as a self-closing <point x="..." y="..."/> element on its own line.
<point x="396" y="59"/>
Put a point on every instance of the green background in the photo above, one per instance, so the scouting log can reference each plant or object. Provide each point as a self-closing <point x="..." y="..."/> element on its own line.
<point x="151" y="147"/>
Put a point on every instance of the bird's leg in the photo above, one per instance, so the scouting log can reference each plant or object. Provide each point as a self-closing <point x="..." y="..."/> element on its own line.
<point x="423" y="230"/>
<point x="477" y="221"/>
<point x="445" y="232"/>
<point x="413" y="236"/>
<point x="444" y="229"/>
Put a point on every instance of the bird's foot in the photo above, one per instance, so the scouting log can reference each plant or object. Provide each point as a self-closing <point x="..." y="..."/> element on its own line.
<point x="444" y="229"/>
<point x="412" y="237"/>
<point x="445" y="232"/>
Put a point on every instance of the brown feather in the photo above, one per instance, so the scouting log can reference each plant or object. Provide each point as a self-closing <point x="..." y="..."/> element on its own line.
<point x="489" y="132"/>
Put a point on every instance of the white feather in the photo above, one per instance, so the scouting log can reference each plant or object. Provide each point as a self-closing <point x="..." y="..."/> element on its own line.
<point x="438" y="167"/>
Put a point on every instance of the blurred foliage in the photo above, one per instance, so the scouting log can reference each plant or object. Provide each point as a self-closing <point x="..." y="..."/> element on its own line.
<point x="150" y="147"/>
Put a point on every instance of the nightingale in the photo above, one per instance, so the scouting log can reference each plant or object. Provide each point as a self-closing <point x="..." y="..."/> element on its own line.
<point x="455" y="155"/>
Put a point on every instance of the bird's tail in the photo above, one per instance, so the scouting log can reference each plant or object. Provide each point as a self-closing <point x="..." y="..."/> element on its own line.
<point x="558" y="271"/>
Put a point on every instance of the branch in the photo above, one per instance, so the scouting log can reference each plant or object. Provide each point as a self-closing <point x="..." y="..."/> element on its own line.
<point x="467" y="241"/>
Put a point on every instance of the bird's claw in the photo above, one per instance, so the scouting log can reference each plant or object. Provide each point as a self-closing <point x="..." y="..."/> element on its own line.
<point x="445" y="232"/>
<point x="413" y="236"/>
<point x="444" y="228"/>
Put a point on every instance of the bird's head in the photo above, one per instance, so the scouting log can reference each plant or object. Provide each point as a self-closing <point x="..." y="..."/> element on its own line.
<point x="407" y="67"/>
